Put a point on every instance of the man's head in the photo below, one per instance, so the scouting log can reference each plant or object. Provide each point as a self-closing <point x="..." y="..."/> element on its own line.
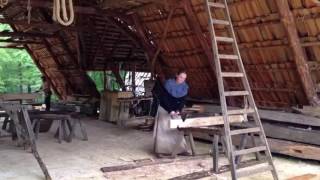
<point x="181" y="76"/>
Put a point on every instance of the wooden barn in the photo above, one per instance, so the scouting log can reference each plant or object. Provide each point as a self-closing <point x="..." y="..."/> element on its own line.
<point x="237" y="80"/>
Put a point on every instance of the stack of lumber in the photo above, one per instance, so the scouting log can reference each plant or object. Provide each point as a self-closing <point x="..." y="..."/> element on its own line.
<point x="288" y="133"/>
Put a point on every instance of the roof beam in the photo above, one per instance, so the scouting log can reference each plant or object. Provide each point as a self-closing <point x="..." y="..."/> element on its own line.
<point x="162" y="40"/>
<point x="300" y="59"/>
<point x="54" y="57"/>
<point x="19" y="41"/>
<point x="42" y="24"/>
<point x="119" y="79"/>
<point x="146" y="43"/>
<point x="24" y="34"/>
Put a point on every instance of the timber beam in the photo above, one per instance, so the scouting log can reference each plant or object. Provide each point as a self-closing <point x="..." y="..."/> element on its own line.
<point x="24" y="34"/>
<point x="299" y="57"/>
<point x="203" y="121"/>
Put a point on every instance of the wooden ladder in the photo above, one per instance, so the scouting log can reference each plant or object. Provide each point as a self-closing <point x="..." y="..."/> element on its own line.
<point x="255" y="130"/>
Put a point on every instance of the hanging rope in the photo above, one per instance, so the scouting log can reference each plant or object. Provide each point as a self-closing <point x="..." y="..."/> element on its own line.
<point x="3" y="3"/>
<point x="60" y="5"/>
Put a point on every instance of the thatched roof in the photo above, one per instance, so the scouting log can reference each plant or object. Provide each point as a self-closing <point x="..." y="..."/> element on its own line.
<point x="130" y="32"/>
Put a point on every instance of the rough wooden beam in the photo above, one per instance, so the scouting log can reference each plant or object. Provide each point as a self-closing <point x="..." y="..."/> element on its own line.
<point x="24" y="34"/>
<point x="41" y="24"/>
<point x="59" y="65"/>
<point x="119" y="79"/>
<point x="162" y="40"/>
<point x="67" y="48"/>
<point x="12" y="47"/>
<point x="19" y="41"/>
<point x="44" y="73"/>
<point x="299" y="57"/>
<point x="146" y="43"/>
<point x="203" y="121"/>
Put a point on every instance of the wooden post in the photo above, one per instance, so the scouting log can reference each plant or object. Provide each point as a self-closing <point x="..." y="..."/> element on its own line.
<point x="104" y="80"/>
<point x="288" y="21"/>
<point x="134" y="80"/>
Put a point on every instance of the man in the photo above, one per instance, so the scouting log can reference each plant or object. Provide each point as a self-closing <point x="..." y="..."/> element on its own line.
<point x="178" y="88"/>
<point x="170" y="142"/>
<point x="46" y="88"/>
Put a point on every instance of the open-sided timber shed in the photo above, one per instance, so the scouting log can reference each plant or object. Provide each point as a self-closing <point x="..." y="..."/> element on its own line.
<point x="278" y="40"/>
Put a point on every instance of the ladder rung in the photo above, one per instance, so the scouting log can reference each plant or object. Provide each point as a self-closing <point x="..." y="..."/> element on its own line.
<point x="240" y="111"/>
<point x="227" y="56"/>
<point x="244" y="131"/>
<point x="231" y="74"/>
<point x="220" y="22"/>
<point x="250" y="150"/>
<point x="224" y="39"/>
<point x="218" y="5"/>
<point x="236" y="93"/>
<point x="248" y="172"/>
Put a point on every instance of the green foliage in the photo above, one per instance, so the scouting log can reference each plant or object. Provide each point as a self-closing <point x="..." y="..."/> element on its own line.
<point x="97" y="77"/>
<point x="18" y="73"/>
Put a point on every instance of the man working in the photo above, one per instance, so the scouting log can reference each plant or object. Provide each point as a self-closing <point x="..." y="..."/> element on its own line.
<point x="172" y="99"/>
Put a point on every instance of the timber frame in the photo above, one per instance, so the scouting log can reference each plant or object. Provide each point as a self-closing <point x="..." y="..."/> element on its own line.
<point x="278" y="41"/>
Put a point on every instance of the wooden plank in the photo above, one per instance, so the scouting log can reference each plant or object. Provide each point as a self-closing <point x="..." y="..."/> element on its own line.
<point x="270" y="115"/>
<point x="292" y="133"/>
<point x="150" y="162"/>
<point x="284" y="147"/>
<point x="203" y="121"/>
<point x="192" y="176"/>
<point x="293" y="149"/>
<point x="286" y="117"/>
<point x="19" y="96"/>
<point x="25" y="34"/>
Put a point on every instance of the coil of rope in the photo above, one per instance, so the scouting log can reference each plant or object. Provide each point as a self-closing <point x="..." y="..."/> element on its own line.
<point x="3" y="3"/>
<point x="60" y="5"/>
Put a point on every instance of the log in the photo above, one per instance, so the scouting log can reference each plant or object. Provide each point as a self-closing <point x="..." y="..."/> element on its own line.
<point x="203" y="121"/>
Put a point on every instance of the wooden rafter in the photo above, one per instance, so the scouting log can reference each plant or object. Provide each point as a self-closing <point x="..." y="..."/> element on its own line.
<point x="25" y="34"/>
<point x="19" y="41"/>
<point x="43" y="25"/>
<point x="300" y="59"/>
<point x="119" y="78"/>
<point x="58" y="64"/>
<point x="68" y="50"/>
<point x="44" y="73"/>
<point x="162" y="40"/>
<point x="146" y="43"/>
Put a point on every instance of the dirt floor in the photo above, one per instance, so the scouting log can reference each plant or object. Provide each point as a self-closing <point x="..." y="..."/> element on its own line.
<point x="109" y="145"/>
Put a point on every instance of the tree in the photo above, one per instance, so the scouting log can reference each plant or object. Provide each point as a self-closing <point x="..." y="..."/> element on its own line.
<point x="18" y="73"/>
